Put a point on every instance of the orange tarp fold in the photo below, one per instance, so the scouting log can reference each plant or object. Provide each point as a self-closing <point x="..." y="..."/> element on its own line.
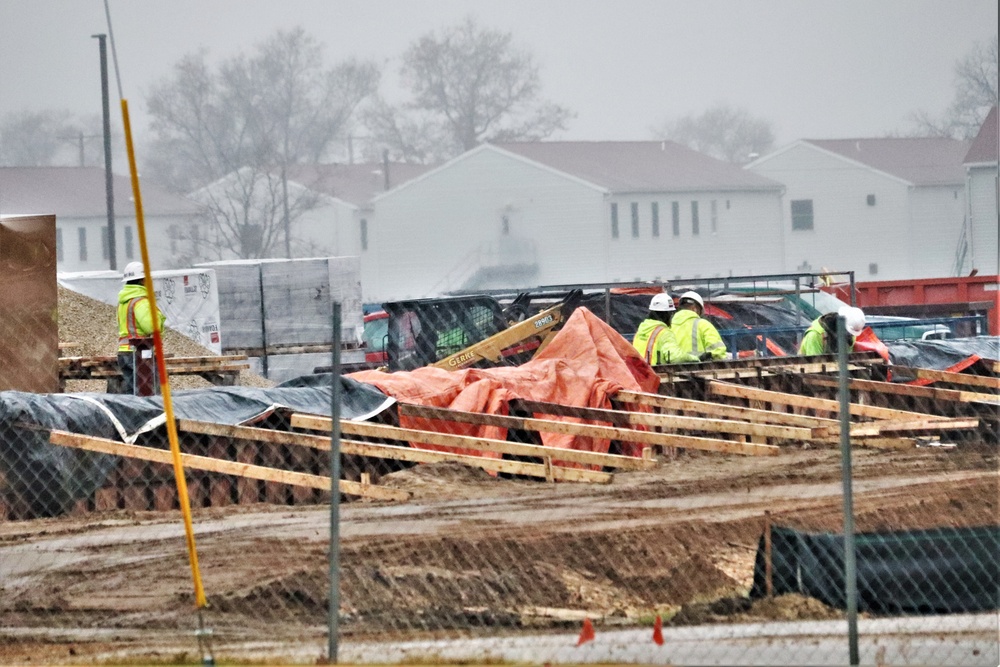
<point x="585" y="364"/>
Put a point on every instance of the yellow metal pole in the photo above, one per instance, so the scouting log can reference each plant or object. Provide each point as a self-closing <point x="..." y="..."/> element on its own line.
<point x="161" y="369"/>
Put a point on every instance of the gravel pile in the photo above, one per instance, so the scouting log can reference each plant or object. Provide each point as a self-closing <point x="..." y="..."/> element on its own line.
<point x="88" y="328"/>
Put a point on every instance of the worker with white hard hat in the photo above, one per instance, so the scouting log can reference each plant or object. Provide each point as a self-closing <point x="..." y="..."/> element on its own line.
<point x="135" y="324"/>
<point x="821" y="336"/>
<point x="654" y="340"/>
<point x="694" y="334"/>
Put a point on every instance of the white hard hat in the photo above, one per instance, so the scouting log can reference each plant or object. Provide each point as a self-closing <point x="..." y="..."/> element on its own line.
<point x="662" y="303"/>
<point x="133" y="271"/>
<point x="854" y="319"/>
<point x="693" y="296"/>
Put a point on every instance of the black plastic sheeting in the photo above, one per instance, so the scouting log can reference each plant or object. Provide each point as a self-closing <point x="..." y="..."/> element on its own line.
<point x="50" y="478"/>
<point x="941" y="570"/>
<point x="939" y="355"/>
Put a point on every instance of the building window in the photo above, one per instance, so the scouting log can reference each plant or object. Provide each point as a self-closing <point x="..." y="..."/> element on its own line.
<point x="635" y="220"/>
<point x="675" y="210"/>
<point x="694" y="219"/>
<point x="654" y="211"/>
<point x="129" y="243"/>
<point x="614" y="220"/>
<point x="505" y="226"/>
<point x="871" y="200"/>
<point x="715" y="216"/>
<point x="873" y="269"/>
<point x="802" y="214"/>
<point x="364" y="234"/>
<point x="105" y="244"/>
<point x="81" y="235"/>
<point x="59" y="244"/>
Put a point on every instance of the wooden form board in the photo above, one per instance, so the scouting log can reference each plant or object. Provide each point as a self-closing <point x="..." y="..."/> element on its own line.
<point x="502" y="446"/>
<point x="717" y="388"/>
<point x="461" y="442"/>
<point x="756" y="415"/>
<point x="354" y="448"/>
<point x="539" y="425"/>
<point x="677" y="372"/>
<point x="951" y="378"/>
<point x="915" y="391"/>
<point x="193" y="462"/>
<point x="668" y="421"/>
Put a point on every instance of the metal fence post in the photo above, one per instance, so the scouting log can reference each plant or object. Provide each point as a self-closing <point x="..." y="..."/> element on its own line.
<point x="333" y="615"/>
<point x="850" y="563"/>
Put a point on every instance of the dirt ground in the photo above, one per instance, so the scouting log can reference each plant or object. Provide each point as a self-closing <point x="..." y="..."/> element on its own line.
<point x="469" y="555"/>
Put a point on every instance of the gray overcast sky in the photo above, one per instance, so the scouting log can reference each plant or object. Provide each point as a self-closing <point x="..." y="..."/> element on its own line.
<point x="830" y="69"/>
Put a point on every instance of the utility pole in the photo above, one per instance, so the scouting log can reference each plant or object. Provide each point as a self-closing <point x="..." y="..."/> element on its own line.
<point x="108" y="177"/>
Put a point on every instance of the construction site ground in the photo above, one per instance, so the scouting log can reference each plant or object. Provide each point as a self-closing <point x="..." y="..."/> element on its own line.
<point x="469" y="556"/>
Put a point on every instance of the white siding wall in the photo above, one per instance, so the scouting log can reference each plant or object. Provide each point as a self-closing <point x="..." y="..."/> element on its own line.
<point x="329" y="230"/>
<point x="157" y="241"/>
<point x="429" y="236"/>
<point x="938" y="214"/>
<point x="747" y="238"/>
<point x="984" y="219"/>
<point x="847" y="233"/>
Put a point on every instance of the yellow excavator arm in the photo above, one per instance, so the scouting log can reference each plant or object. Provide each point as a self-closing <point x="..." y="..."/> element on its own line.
<point x="543" y="325"/>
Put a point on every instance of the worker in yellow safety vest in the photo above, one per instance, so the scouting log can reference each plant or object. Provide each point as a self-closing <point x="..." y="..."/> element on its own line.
<point x="694" y="334"/>
<point x="135" y="324"/>
<point x="821" y="336"/>
<point x="654" y="340"/>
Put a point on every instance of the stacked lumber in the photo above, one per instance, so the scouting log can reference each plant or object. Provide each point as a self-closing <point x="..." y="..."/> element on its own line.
<point x="219" y="370"/>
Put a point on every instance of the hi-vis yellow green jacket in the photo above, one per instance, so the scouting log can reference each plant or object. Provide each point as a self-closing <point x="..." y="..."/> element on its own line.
<point x="816" y="340"/>
<point x="135" y="318"/>
<point x="656" y="343"/>
<point x="696" y="335"/>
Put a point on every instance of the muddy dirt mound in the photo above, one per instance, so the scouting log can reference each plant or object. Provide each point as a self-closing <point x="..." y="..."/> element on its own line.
<point x="90" y="328"/>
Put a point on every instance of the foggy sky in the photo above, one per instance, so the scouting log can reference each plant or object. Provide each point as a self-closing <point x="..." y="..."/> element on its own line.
<point x="834" y="69"/>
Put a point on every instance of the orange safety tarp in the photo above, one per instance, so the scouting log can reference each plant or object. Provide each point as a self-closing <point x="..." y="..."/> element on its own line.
<point x="585" y="364"/>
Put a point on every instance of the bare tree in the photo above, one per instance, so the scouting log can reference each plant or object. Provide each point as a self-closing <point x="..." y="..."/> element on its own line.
<point x="279" y="106"/>
<point x="975" y="95"/>
<point x="244" y="212"/>
<point x="469" y="85"/>
<point x="724" y="132"/>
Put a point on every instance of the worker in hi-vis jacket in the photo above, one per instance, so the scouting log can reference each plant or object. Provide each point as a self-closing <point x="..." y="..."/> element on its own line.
<point x="821" y="336"/>
<point x="654" y="340"/>
<point x="696" y="335"/>
<point x="135" y="325"/>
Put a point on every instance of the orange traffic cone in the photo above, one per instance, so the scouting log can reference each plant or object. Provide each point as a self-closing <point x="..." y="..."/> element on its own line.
<point x="586" y="633"/>
<point x="658" y="631"/>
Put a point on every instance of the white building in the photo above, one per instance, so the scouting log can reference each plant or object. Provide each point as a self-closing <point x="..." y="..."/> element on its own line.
<point x="982" y="194"/>
<point x="548" y="213"/>
<point x="77" y="197"/>
<point x="884" y="208"/>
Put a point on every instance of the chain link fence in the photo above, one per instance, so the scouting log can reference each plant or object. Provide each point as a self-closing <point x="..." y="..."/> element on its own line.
<point x="540" y="496"/>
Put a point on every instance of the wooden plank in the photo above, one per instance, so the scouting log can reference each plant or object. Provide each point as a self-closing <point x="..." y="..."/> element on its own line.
<point x="502" y="446"/>
<point x="355" y="448"/>
<point x="912" y="390"/>
<point x="681" y="372"/>
<point x="190" y="461"/>
<point x="723" y="410"/>
<point x="951" y="378"/>
<point x="528" y="424"/>
<point x="752" y="393"/>
<point x="668" y="421"/>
